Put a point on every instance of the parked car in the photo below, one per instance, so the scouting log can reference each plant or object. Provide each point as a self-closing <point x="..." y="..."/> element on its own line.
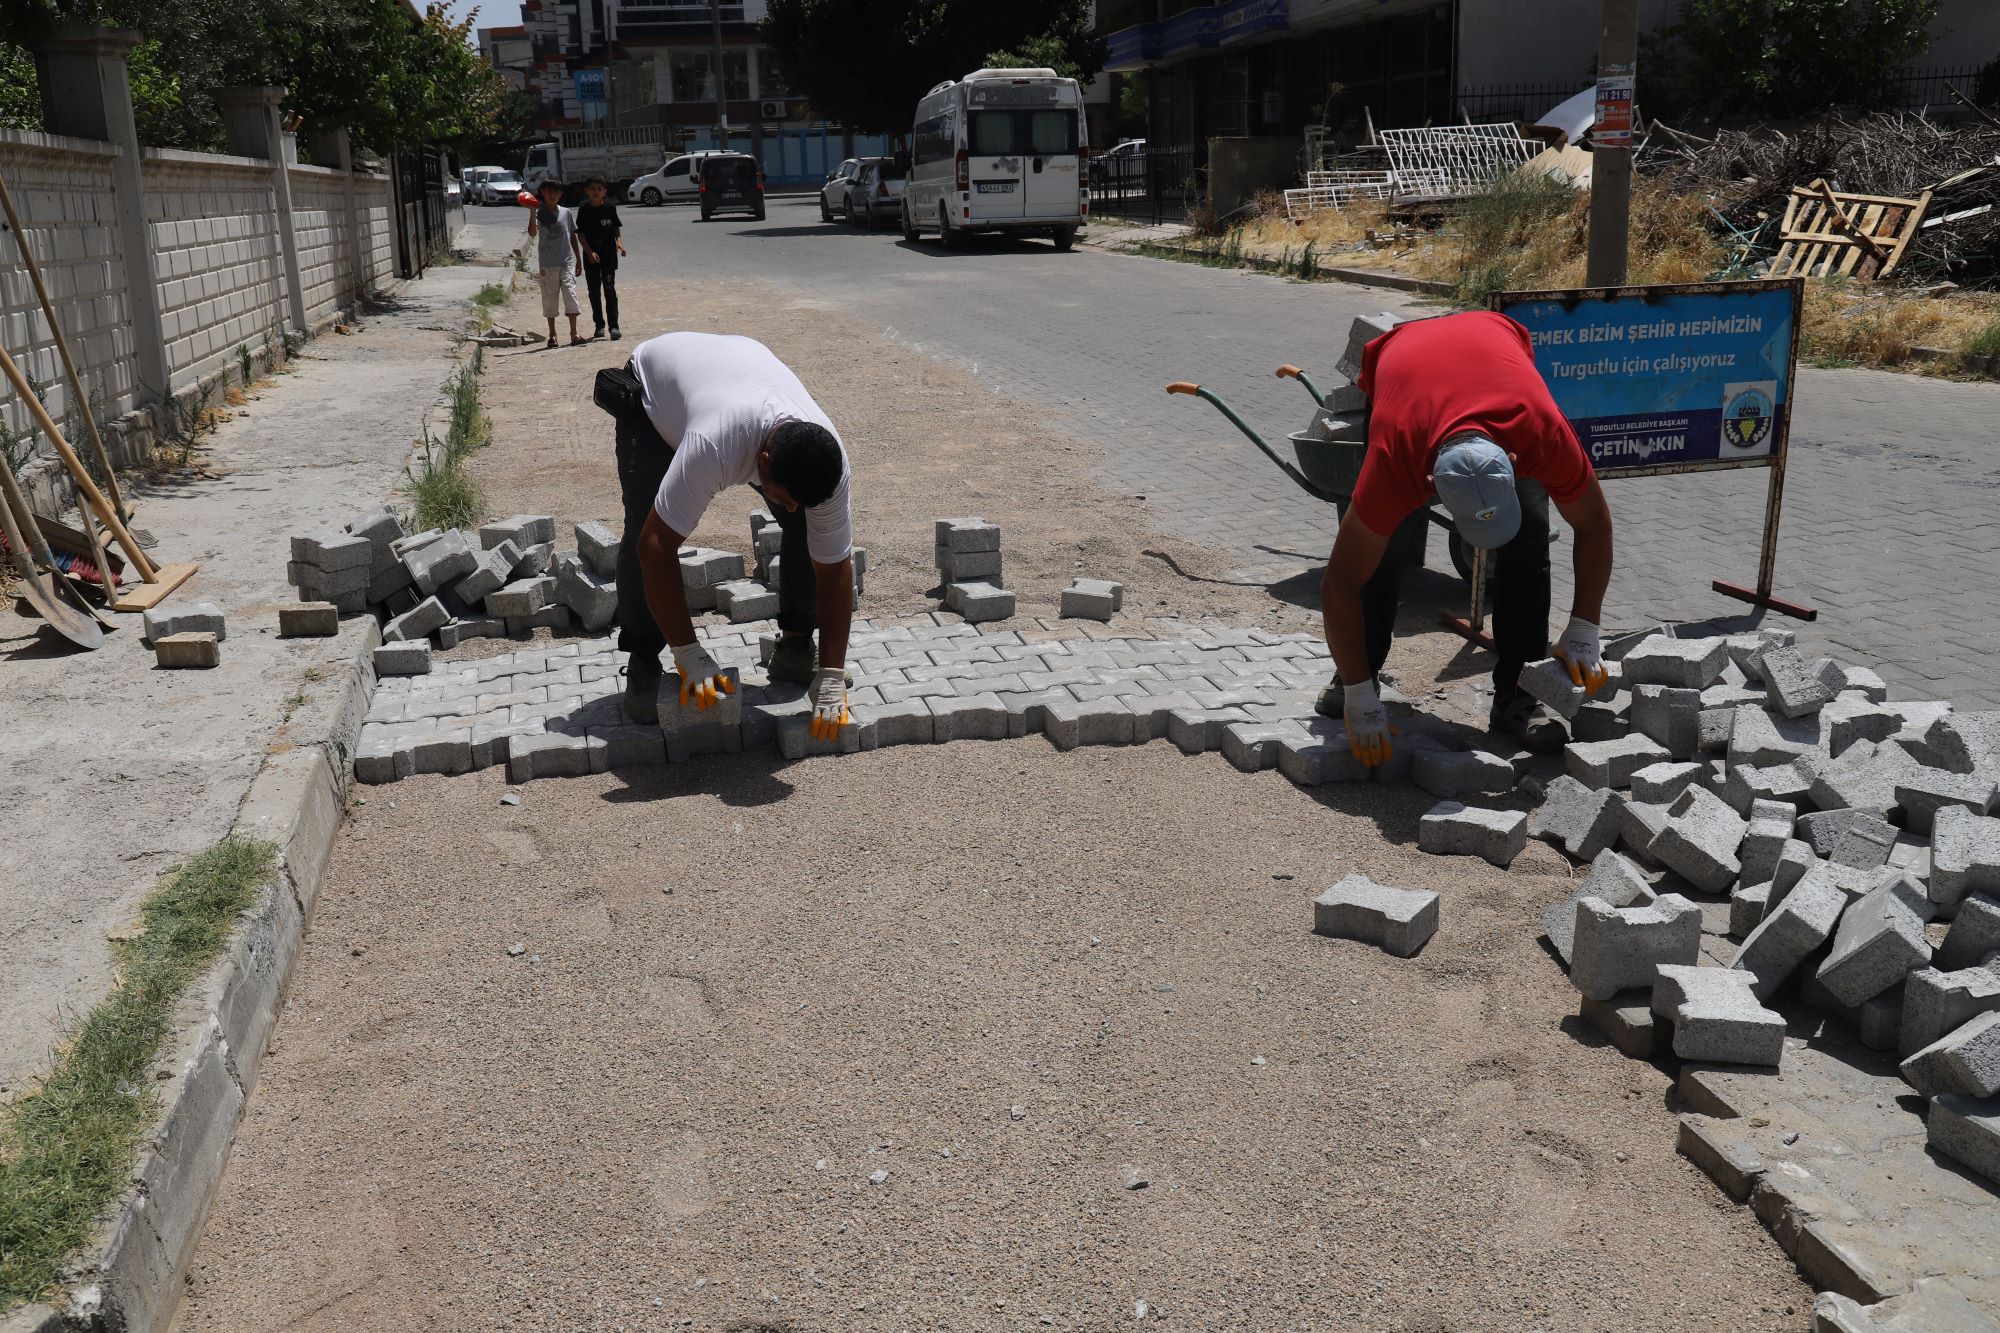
<point x="673" y="183"/>
<point x="730" y="183"/>
<point x="1001" y="150"/>
<point x="454" y="194"/>
<point x="877" y="192"/>
<point x="1124" y="164"/>
<point x="833" y="194"/>
<point x="499" y="187"/>
<point x="475" y="182"/>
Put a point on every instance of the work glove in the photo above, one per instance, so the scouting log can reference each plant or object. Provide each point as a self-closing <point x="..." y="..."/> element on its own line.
<point x="1578" y="650"/>
<point x="829" y="703"/>
<point x="702" y="681"/>
<point x="1368" y="729"/>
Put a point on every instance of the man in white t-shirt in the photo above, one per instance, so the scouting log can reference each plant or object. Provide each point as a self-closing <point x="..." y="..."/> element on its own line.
<point x="723" y="410"/>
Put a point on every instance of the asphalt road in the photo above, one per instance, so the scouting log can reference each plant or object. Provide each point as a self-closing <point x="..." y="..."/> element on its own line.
<point x="1888" y="523"/>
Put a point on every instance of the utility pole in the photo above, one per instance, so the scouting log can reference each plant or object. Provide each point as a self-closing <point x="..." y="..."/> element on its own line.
<point x="721" y="101"/>
<point x="1611" y="145"/>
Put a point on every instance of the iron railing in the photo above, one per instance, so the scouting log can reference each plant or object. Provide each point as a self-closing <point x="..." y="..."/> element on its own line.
<point x="1155" y="186"/>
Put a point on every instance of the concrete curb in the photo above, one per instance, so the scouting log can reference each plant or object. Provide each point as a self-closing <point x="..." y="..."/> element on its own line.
<point x="133" y="1278"/>
<point x="32" y="1319"/>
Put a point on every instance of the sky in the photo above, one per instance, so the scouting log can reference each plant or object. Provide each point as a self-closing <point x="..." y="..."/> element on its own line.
<point x="492" y="13"/>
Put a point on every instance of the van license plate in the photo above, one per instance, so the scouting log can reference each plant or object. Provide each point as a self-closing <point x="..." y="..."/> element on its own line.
<point x="996" y="187"/>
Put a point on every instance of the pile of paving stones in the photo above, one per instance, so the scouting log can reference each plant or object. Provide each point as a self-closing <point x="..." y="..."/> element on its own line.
<point x="1759" y="824"/>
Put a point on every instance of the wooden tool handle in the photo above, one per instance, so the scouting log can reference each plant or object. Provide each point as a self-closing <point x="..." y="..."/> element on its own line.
<point x="102" y="507"/>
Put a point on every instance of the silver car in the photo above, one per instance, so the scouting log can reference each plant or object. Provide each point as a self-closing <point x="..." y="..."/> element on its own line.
<point x="833" y="194"/>
<point x="877" y="191"/>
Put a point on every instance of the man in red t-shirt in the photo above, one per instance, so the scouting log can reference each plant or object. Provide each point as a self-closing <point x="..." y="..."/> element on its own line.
<point x="1458" y="410"/>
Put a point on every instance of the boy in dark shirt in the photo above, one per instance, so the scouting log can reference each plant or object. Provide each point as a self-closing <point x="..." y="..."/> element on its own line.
<point x="598" y="228"/>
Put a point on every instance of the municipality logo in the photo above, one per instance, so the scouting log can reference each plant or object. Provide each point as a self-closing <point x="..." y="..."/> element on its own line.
<point x="1749" y="414"/>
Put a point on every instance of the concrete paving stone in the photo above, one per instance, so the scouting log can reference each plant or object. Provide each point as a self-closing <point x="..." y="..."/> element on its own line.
<point x="1619" y="948"/>
<point x="1626" y="1020"/>
<point x="1965" y="1060"/>
<point x="1865" y="777"/>
<point x="553" y="754"/>
<point x="1749" y="904"/>
<point x="1669" y="716"/>
<point x="1199" y="730"/>
<point x="907" y="723"/>
<point x="1612" y="879"/>
<point x="1716" y="1016"/>
<point x="1823" y="829"/>
<point x="381" y="527"/>
<point x="1769" y="828"/>
<point x="402" y="546"/>
<point x="975" y="717"/>
<point x="1789" y="783"/>
<point x="1789" y="680"/>
<point x="418" y="623"/>
<point x="197" y="618"/>
<point x="1725" y="695"/>
<point x="965" y="535"/>
<point x="1096" y="722"/>
<point x="1639" y="823"/>
<point x="1582" y="820"/>
<point x="1253" y="746"/>
<point x="308" y="620"/>
<point x="1701" y="839"/>
<point x="1091" y="599"/>
<point x="1746" y="650"/>
<point x="1967" y="742"/>
<point x="403" y="659"/>
<point x="1451" y="828"/>
<point x="1402" y="758"/>
<point x="1879" y="941"/>
<point x="1691" y="664"/>
<point x="1151" y="712"/>
<point x="1319" y="755"/>
<point x="597" y="547"/>
<point x="331" y="552"/>
<point x="917" y="689"/>
<point x="796" y="741"/>
<point x="382" y="756"/>
<point x="1611" y="763"/>
<point x="490" y="741"/>
<point x="1967" y="1130"/>
<point x="1548" y="680"/>
<point x="1965" y="857"/>
<point x="1759" y="738"/>
<point x="448" y="752"/>
<point x="1449" y="773"/>
<point x="630" y="744"/>
<point x="1850" y="717"/>
<point x="1938" y="1001"/>
<point x="188" y="650"/>
<point x="1364" y="330"/>
<point x="1602" y="720"/>
<point x="440" y="563"/>
<point x="1974" y="932"/>
<point x="314" y="582"/>
<point x="979" y="602"/>
<point x="1660" y="784"/>
<point x="968" y="567"/>
<point x="535" y="561"/>
<point x="1931" y="789"/>
<point x="494" y="567"/>
<point x="385" y="586"/>
<point x="554" y="618"/>
<point x="1714" y="728"/>
<point x="524" y="530"/>
<point x="1398" y="921"/>
<point x="1865" y="846"/>
<point x="1791" y="932"/>
<point x="744" y="601"/>
<point x="591" y="597"/>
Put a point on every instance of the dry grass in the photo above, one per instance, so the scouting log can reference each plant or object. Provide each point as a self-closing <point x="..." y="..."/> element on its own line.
<point x="1858" y="323"/>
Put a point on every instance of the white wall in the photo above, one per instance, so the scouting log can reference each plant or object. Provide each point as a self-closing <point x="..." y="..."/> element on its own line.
<point x="1965" y="33"/>
<point x="1537" y="42"/>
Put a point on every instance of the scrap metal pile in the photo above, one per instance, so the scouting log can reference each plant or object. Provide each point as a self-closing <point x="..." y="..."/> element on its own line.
<point x="1748" y="176"/>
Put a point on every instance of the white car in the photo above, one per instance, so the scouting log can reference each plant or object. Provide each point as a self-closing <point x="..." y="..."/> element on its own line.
<point x="1124" y="163"/>
<point x="499" y="187"/>
<point x="674" y="183"/>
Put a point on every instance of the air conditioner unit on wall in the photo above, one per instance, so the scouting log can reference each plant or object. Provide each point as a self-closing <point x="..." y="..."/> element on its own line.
<point x="772" y="108"/>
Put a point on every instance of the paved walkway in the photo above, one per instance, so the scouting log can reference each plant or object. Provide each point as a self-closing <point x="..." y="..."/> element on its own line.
<point x="1889" y="523"/>
<point x="112" y="771"/>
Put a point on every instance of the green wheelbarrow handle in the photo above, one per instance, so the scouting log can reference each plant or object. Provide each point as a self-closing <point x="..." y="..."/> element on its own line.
<point x="1292" y="372"/>
<point x="1196" y="391"/>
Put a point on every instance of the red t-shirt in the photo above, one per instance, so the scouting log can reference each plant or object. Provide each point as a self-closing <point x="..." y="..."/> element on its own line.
<point x="1432" y="379"/>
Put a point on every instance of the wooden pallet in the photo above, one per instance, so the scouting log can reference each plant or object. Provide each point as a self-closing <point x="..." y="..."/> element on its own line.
<point x="1828" y="234"/>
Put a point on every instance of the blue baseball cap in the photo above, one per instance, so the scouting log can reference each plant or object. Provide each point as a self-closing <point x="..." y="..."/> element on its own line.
<point x="1475" y="479"/>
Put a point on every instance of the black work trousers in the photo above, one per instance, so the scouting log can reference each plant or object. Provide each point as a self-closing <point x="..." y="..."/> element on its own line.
<point x="602" y="279"/>
<point x="642" y="464"/>
<point x="1517" y="590"/>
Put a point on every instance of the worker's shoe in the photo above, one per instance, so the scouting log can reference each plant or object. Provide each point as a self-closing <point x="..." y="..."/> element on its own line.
<point x="1522" y="719"/>
<point x="794" y="660"/>
<point x="642" y="688"/>
<point x="1333" y="701"/>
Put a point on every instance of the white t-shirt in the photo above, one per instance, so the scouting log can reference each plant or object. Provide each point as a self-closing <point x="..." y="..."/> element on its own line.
<point x="715" y="398"/>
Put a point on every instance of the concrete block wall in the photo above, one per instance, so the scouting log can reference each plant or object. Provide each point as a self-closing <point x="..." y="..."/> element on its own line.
<point x="375" y="202"/>
<point x="213" y="222"/>
<point x="62" y="189"/>
<point x="319" y="219"/>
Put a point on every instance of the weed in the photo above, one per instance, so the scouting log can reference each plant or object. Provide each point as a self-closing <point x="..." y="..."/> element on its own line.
<point x="1977" y="352"/>
<point x="189" y="419"/>
<point x="244" y="364"/>
<point x="66" y="1149"/>
<point x="444" y="494"/>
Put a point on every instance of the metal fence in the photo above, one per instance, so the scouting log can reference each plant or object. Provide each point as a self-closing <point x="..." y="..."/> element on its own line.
<point x="1155" y="186"/>
<point x="1909" y="90"/>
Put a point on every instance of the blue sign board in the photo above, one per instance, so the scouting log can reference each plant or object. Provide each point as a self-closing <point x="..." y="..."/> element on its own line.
<point x="1247" y="18"/>
<point x="1188" y="30"/>
<point x="590" y="85"/>
<point x="1131" y="48"/>
<point x="1672" y="378"/>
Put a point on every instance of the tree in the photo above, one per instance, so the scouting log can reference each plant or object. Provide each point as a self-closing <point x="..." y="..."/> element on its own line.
<point x="1793" y="57"/>
<point x="907" y="47"/>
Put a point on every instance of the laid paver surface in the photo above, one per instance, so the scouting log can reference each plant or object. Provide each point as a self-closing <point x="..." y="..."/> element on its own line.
<point x="1889" y="514"/>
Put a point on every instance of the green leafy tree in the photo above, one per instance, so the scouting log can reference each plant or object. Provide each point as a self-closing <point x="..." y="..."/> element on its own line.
<point x="20" y="103"/>
<point x="1793" y="57"/>
<point x="908" y="46"/>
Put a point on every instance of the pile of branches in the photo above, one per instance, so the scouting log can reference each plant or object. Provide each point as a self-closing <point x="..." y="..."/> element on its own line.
<point x="1747" y="175"/>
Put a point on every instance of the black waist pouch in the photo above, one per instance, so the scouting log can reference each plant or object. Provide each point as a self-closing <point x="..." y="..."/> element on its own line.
<point x="620" y="393"/>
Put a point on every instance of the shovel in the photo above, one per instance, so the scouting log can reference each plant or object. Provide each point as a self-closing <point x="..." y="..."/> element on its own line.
<point x="60" y="605"/>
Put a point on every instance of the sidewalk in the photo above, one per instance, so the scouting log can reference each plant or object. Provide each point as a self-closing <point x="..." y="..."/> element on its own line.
<point x="112" y="771"/>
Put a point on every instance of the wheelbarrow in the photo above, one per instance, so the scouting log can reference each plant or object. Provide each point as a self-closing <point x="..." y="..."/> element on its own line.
<point x="1328" y="466"/>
